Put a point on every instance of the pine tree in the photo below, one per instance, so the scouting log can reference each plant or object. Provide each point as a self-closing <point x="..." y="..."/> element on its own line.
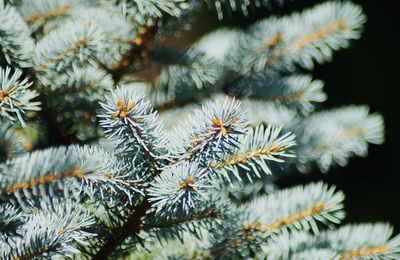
<point x="98" y="161"/>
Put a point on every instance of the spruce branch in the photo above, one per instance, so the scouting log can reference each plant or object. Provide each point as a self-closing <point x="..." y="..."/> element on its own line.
<point x="317" y="254"/>
<point x="85" y="42"/>
<point x="129" y="117"/>
<point x="179" y="188"/>
<point x="323" y="204"/>
<point x="156" y="183"/>
<point x="263" y="218"/>
<point x="365" y="241"/>
<point x="209" y="132"/>
<point x="10" y="220"/>
<point x="52" y="231"/>
<point x="60" y="10"/>
<point x="258" y="147"/>
<point x="204" y="216"/>
<point x="131" y="227"/>
<point x="191" y="180"/>
<point x="301" y="39"/>
<point x="146" y="11"/>
<point x="244" y="7"/>
<point x="333" y="136"/>
<point x="362" y="241"/>
<point x="43" y="15"/>
<point x="190" y="75"/>
<point x="298" y="90"/>
<point x="268" y="113"/>
<point x="96" y="43"/>
<point x="78" y="68"/>
<point x="16" y="97"/>
<point x="79" y="169"/>
<point x="16" y="45"/>
<point x="89" y="81"/>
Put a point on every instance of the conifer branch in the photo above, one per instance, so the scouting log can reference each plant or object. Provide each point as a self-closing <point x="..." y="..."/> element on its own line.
<point x="16" y="97"/>
<point x="256" y="148"/>
<point x="131" y="118"/>
<point x="138" y="46"/>
<point x="318" y="31"/>
<point x="43" y="180"/>
<point x="279" y="223"/>
<point x="65" y="222"/>
<point x="222" y="122"/>
<point x="298" y="90"/>
<point x="82" y="169"/>
<point x="57" y="12"/>
<point x="129" y="108"/>
<point x="131" y="227"/>
<point x="153" y="184"/>
<point x="332" y="136"/>
<point x="211" y="214"/>
<point x="16" y="45"/>
<point x="230" y="8"/>
<point x="180" y="187"/>
<point x="349" y="242"/>
<point x="267" y="216"/>
<point x="365" y="252"/>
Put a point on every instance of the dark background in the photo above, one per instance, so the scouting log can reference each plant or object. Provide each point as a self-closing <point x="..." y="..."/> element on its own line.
<point x="365" y="73"/>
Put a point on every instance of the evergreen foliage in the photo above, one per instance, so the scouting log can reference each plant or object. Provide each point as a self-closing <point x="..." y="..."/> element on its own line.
<point x="100" y="160"/>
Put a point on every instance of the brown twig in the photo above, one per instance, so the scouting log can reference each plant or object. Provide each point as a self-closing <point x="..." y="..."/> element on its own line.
<point x="138" y="50"/>
<point x="131" y="227"/>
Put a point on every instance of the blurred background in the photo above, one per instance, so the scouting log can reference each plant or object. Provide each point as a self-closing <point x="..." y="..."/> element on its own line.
<point x="366" y="73"/>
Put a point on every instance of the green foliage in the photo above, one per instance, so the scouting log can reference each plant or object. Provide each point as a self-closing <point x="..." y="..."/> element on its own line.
<point x="113" y="143"/>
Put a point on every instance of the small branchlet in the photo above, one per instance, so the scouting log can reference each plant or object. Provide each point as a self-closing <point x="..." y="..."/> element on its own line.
<point x="283" y="211"/>
<point x="334" y="136"/>
<point x="128" y="116"/>
<point x="16" y="45"/>
<point x="300" y="39"/>
<point x="16" y="97"/>
<point x="210" y="132"/>
<point x="179" y="188"/>
<point x="257" y="148"/>
<point x="76" y="170"/>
